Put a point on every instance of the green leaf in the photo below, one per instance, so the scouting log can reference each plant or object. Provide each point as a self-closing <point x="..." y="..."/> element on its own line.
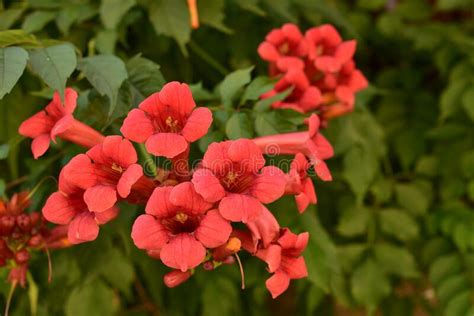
<point x="449" y="287"/>
<point x="251" y="6"/>
<point x="106" y="73"/>
<point x="443" y="267"/>
<point x="396" y="260"/>
<point x="360" y="167"/>
<point x="467" y="164"/>
<point x="4" y="149"/>
<point x="468" y="102"/>
<point x="145" y="76"/>
<point x="10" y="16"/>
<point x="412" y="198"/>
<point x="256" y="88"/>
<point x="17" y="37"/>
<point x="427" y="165"/>
<point x="33" y="292"/>
<point x="54" y="64"/>
<point x="354" y="221"/>
<point x="369" y="284"/>
<point x="268" y="123"/>
<point x="91" y="298"/>
<point x="232" y="84"/>
<point x="408" y="146"/>
<point x="12" y="64"/>
<point x="451" y="98"/>
<point x="321" y="254"/>
<point x="459" y="305"/>
<point x="67" y="17"/>
<point x="350" y="255"/>
<point x="106" y="40"/>
<point x="398" y="224"/>
<point x="119" y="272"/>
<point x="211" y="12"/>
<point x="171" y="18"/>
<point x="239" y="126"/>
<point x="37" y="21"/>
<point x="225" y="289"/>
<point x="265" y="104"/>
<point x="112" y="11"/>
<point x="453" y="4"/>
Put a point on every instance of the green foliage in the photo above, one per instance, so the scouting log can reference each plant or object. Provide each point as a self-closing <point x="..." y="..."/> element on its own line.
<point x="393" y="233"/>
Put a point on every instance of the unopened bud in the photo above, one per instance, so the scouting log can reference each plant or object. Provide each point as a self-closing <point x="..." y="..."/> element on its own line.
<point x="176" y="277"/>
<point x="22" y="256"/>
<point x="208" y="266"/>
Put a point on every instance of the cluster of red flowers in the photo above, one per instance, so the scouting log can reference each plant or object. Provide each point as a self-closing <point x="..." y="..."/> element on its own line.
<point x="20" y="233"/>
<point x="318" y="66"/>
<point x="201" y="215"/>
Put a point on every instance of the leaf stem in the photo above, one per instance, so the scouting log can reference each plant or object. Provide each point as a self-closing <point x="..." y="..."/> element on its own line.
<point x="207" y="58"/>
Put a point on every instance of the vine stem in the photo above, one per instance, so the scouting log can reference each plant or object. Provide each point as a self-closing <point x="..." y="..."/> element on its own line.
<point x="207" y="58"/>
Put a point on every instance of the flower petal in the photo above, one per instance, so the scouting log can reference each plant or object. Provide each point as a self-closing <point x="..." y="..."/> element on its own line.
<point x="197" y="124"/>
<point x="277" y="284"/>
<point x="268" y="52"/>
<point x="128" y="179"/>
<point x="80" y="172"/>
<point x="148" y="233"/>
<point x="40" y="145"/>
<point x="213" y="230"/>
<point x="58" y="209"/>
<point x="269" y="185"/>
<point x="159" y="204"/>
<point x="186" y="198"/>
<point x="247" y="153"/>
<point x="183" y="252"/>
<point x="100" y="198"/>
<point x="240" y="208"/>
<point x="179" y="96"/>
<point x="264" y="228"/>
<point x="120" y="150"/>
<point x="62" y="125"/>
<point x="207" y="185"/>
<point x="83" y="228"/>
<point x="107" y="215"/>
<point x="137" y="126"/>
<point x="294" y="267"/>
<point x="39" y="123"/>
<point x="272" y="256"/>
<point x="168" y="145"/>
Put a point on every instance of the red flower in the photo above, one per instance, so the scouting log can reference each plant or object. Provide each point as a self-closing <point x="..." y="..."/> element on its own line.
<point x="67" y="207"/>
<point x="303" y="97"/>
<point x="286" y="41"/>
<point x="284" y="260"/>
<point x="104" y="171"/>
<point x="311" y="144"/>
<point x="180" y="225"/>
<point x="167" y="121"/>
<point x="326" y="48"/>
<point x="299" y="184"/>
<point x="233" y="173"/>
<point x="57" y="120"/>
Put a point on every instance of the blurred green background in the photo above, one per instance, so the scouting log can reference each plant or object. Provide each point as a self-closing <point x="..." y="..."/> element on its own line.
<point x="393" y="234"/>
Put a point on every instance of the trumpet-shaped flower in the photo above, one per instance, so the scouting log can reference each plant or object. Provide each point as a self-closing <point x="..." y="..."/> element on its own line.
<point x="167" y="121"/>
<point x="233" y="173"/>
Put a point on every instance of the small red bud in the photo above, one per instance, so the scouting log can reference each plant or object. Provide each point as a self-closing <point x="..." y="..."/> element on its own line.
<point x="34" y="218"/>
<point x="35" y="241"/>
<point x="3" y="262"/>
<point x="22" y="256"/>
<point x="208" y="265"/>
<point x="24" y="222"/>
<point x="176" y="277"/>
<point x="7" y="223"/>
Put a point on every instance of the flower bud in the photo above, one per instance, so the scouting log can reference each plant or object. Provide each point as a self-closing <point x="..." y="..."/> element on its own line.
<point x="22" y="256"/>
<point x="35" y="241"/>
<point x="208" y="266"/>
<point x="7" y="223"/>
<point x="176" y="277"/>
<point x="24" y="222"/>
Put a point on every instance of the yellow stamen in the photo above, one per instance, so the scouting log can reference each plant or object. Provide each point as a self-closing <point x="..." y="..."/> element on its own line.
<point x="117" y="168"/>
<point x="173" y="124"/>
<point x="181" y="217"/>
